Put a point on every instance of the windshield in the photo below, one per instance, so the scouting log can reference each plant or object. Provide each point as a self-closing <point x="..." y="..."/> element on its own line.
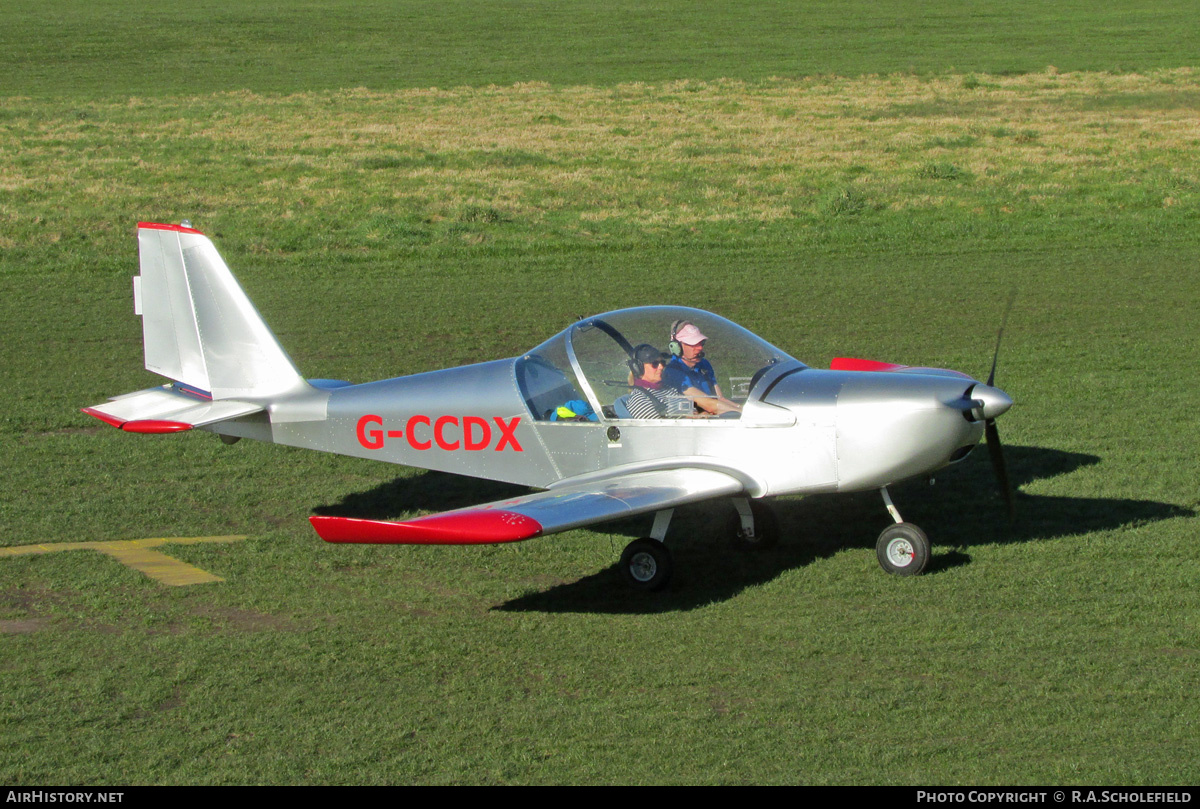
<point x="590" y="361"/>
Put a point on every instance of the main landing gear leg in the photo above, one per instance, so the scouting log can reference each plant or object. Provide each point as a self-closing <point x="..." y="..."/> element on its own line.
<point x="754" y="527"/>
<point x="646" y="563"/>
<point x="903" y="548"/>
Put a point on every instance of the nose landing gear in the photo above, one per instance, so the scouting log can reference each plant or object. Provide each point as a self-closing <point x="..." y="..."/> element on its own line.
<point x="902" y="549"/>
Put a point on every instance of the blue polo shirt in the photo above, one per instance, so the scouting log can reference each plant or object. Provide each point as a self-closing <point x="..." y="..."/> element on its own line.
<point x="678" y="376"/>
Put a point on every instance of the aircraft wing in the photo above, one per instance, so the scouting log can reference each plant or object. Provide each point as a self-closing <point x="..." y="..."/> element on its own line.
<point x="167" y="409"/>
<point x="532" y="515"/>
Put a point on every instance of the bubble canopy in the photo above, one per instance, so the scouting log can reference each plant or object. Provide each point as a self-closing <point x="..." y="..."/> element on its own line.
<point x="589" y="361"/>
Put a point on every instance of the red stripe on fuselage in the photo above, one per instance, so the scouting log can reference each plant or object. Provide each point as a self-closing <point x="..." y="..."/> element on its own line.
<point x="852" y="364"/>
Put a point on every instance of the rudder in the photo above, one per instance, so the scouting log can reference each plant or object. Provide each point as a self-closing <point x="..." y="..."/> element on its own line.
<point x="198" y="326"/>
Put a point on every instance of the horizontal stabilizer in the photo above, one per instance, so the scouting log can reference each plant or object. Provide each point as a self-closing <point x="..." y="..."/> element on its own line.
<point x="559" y="509"/>
<point x="167" y="410"/>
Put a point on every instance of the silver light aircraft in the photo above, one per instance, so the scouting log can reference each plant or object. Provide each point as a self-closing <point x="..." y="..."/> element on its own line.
<point x="556" y="419"/>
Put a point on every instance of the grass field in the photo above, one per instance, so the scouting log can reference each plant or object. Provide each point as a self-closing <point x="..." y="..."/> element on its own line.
<point x="120" y="47"/>
<point x="400" y="191"/>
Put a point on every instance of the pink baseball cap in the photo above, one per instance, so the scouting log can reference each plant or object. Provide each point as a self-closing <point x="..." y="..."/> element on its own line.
<point x="690" y="335"/>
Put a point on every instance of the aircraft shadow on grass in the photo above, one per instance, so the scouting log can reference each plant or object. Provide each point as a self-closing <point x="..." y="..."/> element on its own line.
<point x="964" y="509"/>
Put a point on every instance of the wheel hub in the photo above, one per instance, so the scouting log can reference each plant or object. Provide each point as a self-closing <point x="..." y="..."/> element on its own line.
<point x="642" y="566"/>
<point x="900" y="552"/>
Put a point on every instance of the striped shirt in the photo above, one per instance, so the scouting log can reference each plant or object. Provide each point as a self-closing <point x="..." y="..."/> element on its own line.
<point x="647" y="403"/>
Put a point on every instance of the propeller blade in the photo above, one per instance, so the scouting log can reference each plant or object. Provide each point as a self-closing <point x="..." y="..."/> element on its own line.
<point x="1000" y="334"/>
<point x="1001" y="469"/>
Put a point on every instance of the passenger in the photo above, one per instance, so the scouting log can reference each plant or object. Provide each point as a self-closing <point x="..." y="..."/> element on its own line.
<point x="650" y="399"/>
<point x="690" y="374"/>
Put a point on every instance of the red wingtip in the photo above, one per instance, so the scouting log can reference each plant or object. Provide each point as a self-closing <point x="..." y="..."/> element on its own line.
<point x="476" y="527"/>
<point x="161" y="226"/>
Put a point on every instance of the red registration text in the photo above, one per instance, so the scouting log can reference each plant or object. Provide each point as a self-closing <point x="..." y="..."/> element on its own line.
<point x="450" y="433"/>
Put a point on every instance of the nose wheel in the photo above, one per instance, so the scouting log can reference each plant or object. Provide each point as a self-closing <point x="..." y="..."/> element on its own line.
<point x="902" y="549"/>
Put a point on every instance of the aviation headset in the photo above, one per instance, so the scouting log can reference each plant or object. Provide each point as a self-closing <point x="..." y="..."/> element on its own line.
<point x="675" y="347"/>
<point x="645" y="353"/>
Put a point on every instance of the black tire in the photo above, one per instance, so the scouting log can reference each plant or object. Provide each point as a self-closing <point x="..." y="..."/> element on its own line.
<point x="903" y="549"/>
<point x="646" y="565"/>
<point x="766" y="528"/>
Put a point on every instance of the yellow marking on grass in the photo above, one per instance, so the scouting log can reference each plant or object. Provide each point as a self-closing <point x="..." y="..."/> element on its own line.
<point x="138" y="554"/>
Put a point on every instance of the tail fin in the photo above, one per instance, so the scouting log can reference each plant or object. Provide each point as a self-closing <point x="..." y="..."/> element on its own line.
<point x="198" y="326"/>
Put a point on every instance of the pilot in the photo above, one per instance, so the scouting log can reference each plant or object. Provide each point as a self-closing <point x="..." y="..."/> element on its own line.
<point x="690" y="374"/>
<point x="650" y="399"/>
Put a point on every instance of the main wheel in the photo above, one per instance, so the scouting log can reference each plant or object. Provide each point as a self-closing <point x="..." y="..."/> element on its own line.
<point x="766" y="528"/>
<point x="646" y="564"/>
<point x="903" y="549"/>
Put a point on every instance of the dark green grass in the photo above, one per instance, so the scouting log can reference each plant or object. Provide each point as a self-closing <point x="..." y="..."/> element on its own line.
<point x="134" y="47"/>
<point x="1061" y="650"/>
